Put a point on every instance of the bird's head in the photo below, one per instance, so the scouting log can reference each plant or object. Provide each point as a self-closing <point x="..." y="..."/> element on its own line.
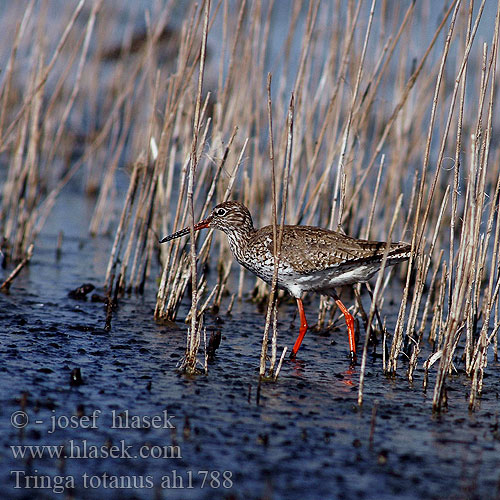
<point x="229" y="216"/>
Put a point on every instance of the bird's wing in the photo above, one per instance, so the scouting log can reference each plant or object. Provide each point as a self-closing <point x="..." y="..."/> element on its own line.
<point x="307" y="249"/>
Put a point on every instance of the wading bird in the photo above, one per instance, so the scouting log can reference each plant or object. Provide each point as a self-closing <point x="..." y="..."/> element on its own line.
<point x="312" y="259"/>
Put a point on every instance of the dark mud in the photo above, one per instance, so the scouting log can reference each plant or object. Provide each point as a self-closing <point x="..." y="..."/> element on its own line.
<point x="305" y="437"/>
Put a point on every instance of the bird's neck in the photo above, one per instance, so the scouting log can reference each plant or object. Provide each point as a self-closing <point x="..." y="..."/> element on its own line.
<point x="238" y="239"/>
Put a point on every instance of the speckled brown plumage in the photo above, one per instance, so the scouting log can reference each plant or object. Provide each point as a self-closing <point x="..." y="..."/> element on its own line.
<point x="309" y="248"/>
<point x="312" y="258"/>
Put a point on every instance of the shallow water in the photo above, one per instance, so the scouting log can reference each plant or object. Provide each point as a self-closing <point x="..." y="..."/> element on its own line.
<point x="305" y="437"/>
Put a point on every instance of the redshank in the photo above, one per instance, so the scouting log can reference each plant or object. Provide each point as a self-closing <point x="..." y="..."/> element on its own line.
<point x="312" y="259"/>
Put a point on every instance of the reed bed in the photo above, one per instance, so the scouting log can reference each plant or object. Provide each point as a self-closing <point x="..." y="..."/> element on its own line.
<point x="31" y="128"/>
<point x="394" y="106"/>
<point x="65" y="114"/>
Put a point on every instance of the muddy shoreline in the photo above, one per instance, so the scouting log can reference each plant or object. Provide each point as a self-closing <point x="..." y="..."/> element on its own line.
<point x="305" y="437"/>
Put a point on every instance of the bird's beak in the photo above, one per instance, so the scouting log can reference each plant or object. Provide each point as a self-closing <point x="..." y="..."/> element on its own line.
<point x="200" y="225"/>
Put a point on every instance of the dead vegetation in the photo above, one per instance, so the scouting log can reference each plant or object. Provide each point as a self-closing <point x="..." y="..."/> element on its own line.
<point x="394" y="106"/>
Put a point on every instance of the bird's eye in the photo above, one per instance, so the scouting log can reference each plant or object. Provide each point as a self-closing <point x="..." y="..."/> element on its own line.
<point x="221" y="212"/>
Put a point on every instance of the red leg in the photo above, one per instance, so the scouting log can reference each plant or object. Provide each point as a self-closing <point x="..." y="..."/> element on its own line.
<point x="350" y="326"/>
<point x="303" y="328"/>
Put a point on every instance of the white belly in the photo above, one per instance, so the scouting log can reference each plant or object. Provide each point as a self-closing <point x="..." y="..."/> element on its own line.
<point x="319" y="281"/>
<point x="322" y="281"/>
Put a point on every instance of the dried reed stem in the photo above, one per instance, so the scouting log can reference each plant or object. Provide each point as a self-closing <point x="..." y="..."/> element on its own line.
<point x="277" y="242"/>
<point x="193" y="337"/>
<point x="375" y="297"/>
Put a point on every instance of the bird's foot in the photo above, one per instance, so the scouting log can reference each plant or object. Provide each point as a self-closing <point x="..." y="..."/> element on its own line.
<point x="354" y="358"/>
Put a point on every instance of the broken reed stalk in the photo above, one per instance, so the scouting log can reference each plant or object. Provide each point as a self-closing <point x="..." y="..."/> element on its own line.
<point x="175" y="275"/>
<point x="166" y="306"/>
<point x="5" y="286"/>
<point x="280" y="363"/>
<point x="170" y="294"/>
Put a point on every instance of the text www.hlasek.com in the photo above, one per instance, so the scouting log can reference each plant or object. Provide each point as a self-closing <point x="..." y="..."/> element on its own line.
<point x="82" y="449"/>
<point x="212" y="479"/>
